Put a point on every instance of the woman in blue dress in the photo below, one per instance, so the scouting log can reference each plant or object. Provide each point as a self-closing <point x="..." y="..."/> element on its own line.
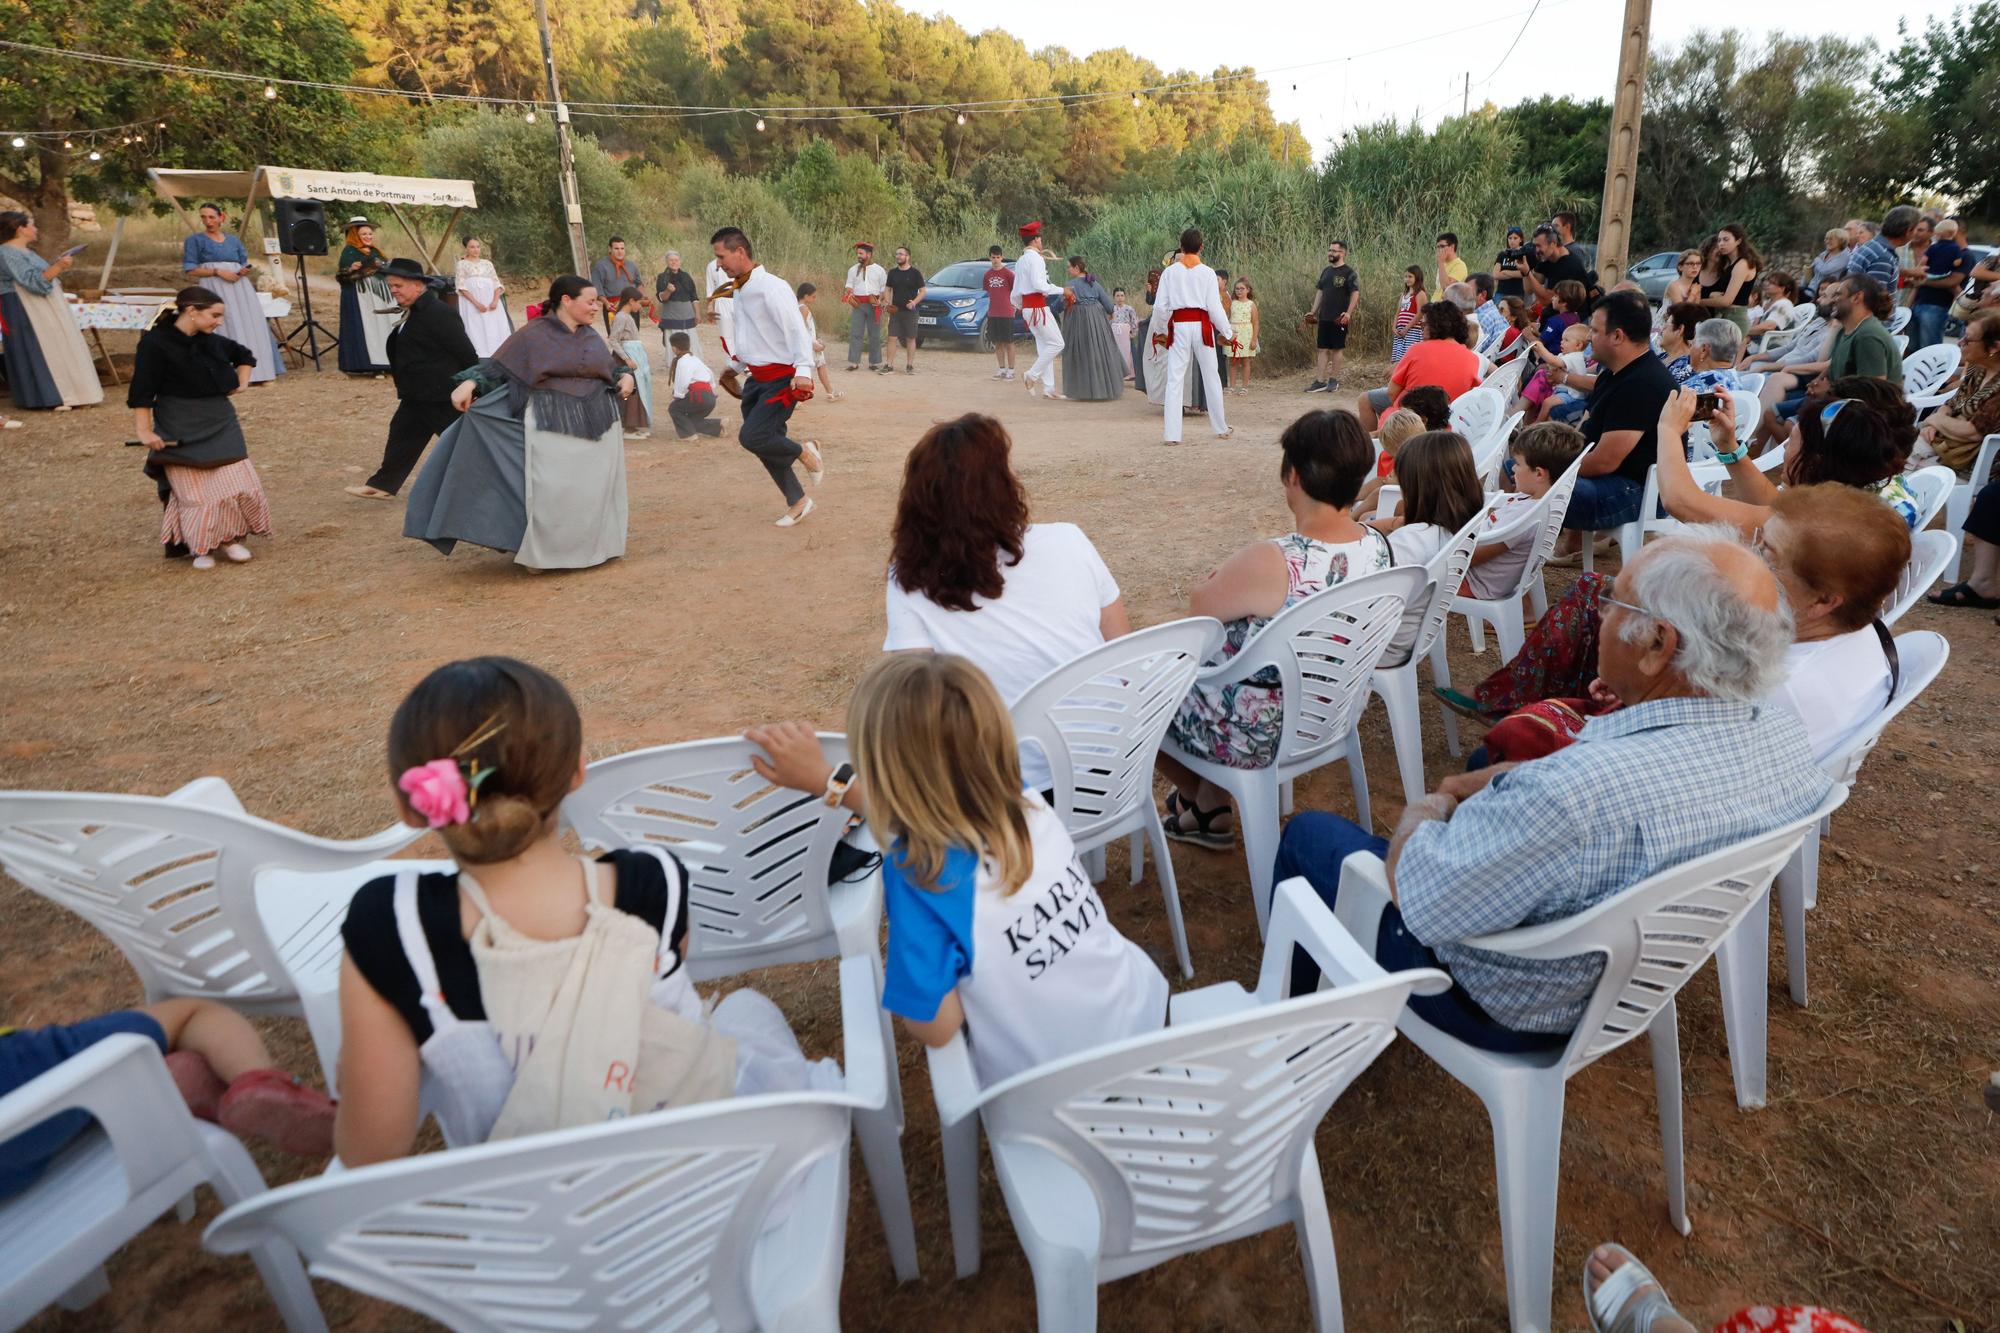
<point x="217" y="260"/>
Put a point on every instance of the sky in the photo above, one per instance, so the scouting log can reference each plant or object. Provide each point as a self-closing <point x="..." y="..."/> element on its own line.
<point x="1328" y="67"/>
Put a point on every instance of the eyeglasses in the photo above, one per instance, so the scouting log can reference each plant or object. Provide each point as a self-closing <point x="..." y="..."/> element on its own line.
<point x="1629" y="606"/>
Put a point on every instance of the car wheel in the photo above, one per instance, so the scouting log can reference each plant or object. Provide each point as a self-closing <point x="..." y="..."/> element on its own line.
<point x="982" y="343"/>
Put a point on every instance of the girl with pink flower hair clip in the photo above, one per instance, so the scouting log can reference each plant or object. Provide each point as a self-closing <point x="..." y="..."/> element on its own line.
<point x="533" y="989"/>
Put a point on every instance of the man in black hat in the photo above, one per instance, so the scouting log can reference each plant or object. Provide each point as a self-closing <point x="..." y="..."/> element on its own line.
<point x="426" y="350"/>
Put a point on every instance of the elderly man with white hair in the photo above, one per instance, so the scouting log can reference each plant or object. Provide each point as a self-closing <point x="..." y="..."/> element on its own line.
<point x="1712" y="357"/>
<point x="1692" y="640"/>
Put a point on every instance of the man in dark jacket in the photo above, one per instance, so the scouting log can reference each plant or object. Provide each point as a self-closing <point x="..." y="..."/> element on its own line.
<point x="426" y="350"/>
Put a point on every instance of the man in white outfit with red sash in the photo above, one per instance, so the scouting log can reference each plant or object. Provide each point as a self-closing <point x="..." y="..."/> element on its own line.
<point x="1032" y="290"/>
<point x="1188" y="320"/>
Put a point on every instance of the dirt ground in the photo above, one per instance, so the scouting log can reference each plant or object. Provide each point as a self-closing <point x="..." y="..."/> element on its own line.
<point x="1870" y="1183"/>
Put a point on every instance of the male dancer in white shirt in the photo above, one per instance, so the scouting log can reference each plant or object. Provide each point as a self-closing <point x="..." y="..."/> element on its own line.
<point x="721" y="310"/>
<point x="865" y="281"/>
<point x="1188" y="320"/>
<point x="1032" y="290"/>
<point x="772" y="346"/>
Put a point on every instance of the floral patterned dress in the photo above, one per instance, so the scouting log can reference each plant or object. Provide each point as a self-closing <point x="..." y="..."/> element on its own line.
<point x="1238" y="725"/>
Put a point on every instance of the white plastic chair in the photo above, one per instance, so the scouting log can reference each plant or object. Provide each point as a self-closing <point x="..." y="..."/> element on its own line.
<point x="1925" y="375"/>
<point x="1100" y="719"/>
<point x="1958" y="507"/>
<point x="143" y="1158"/>
<point x="1476" y="414"/>
<point x="1930" y="552"/>
<point x="1708" y="474"/>
<point x="757" y="855"/>
<point x="723" y="1215"/>
<point x="202" y="898"/>
<point x="1742" y="962"/>
<point x="1396" y="682"/>
<point x="1505" y="612"/>
<point x="758" y="859"/>
<point x="1902" y="341"/>
<point x="1324" y="648"/>
<point x="1487" y="459"/>
<point x="1932" y="486"/>
<point x="1779" y="339"/>
<point x="1899" y="319"/>
<point x="1128" y="1156"/>
<point x="1653" y="938"/>
<point x="1510" y="366"/>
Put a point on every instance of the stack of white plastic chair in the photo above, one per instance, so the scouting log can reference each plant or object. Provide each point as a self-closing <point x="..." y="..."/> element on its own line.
<point x="1323" y="649"/>
<point x="142" y="1158"/>
<point x="1130" y="1155"/>
<point x="723" y="1215"/>
<point x="1099" y="720"/>
<point x="1505" y="612"/>
<point x="1507" y="374"/>
<point x="1653" y="937"/>
<point x="1742" y="962"/>
<point x="758" y="859"/>
<point x="1925" y="374"/>
<point x="1396" y="682"/>
<point x="203" y="899"/>
<point x="1958" y="507"/>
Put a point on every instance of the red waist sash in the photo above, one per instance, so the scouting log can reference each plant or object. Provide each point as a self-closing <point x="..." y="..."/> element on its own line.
<point x="1192" y="315"/>
<point x="1033" y="301"/>
<point x="787" y="396"/>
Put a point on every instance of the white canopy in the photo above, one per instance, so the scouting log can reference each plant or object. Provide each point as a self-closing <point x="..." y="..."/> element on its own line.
<point x="176" y="186"/>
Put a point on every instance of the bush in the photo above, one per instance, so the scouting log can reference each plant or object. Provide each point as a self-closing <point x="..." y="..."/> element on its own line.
<point x="520" y="214"/>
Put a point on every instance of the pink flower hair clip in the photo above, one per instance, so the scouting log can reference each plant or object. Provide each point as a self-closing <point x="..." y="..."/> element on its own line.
<point x="446" y="791"/>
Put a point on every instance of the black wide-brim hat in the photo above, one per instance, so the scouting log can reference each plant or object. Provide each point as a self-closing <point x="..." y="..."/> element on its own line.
<point x="404" y="268"/>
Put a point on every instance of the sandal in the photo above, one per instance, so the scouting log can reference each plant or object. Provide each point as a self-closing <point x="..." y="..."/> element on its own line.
<point x="1464" y="705"/>
<point x="1204" y="833"/>
<point x="1962" y="596"/>
<point x="1617" y="1305"/>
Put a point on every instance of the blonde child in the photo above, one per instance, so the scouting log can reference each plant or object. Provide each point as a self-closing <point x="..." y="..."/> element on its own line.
<point x="1125" y="324"/>
<point x="1243" y="319"/>
<point x="537" y="989"/>
<point x="994" y="927"/>
<point x="1539" y="454"/>
<point x="808" y="295"/>
<point x="1541" y="390"/>
<point x="1399" y="426"/>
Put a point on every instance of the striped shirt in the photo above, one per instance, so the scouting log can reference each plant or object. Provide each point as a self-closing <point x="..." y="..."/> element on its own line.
<point x="1877" y="258"/>
<point x="1643" y="789"/>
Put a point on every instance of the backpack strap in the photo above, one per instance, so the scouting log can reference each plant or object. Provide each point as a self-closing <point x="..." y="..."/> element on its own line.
<point x="417" y="951"/>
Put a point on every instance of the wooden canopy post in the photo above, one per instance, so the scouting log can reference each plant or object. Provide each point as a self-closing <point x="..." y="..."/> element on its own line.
<point x="450" y="225"/>
<point x="1621" y="161"/>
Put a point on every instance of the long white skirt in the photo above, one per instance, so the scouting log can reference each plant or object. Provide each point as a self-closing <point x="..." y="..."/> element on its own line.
<point x="487" y="328"/>
<point x="576" y="498"/>
<point x="243" y="320"/>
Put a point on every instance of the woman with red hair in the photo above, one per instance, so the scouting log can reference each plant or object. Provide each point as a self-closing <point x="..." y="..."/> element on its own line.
<point x="969" y="574"/>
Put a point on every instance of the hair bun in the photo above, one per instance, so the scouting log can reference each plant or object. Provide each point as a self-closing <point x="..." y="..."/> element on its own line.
<point x="501" y="826"/>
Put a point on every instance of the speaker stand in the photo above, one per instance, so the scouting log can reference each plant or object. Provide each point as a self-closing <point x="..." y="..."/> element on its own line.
<point x="309" y="329"/>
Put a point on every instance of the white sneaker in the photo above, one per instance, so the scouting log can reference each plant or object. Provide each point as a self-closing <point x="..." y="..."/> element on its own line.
<point x="790" y="520"/>
<point x="815" y="462"/>
<point x="204" y="562"/>
<point x="1000" y="374"/>
<point x="237" y="552"/>
<point x="1007" y="374"/>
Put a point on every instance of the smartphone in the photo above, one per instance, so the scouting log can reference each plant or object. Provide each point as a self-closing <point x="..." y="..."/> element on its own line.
<point x="1704" y="405"/>
<point x="76" y="249"/>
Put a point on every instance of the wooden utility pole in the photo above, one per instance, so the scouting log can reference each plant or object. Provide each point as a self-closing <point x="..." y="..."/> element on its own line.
<point x="579" y="253"/>
<point x="1621" y="160"/>
<point x="1465" y="101"/>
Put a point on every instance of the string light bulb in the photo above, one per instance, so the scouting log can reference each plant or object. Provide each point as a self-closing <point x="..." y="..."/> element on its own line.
<point x="270" y="92"/>
<point x="96" y="156"/>
<point x="760" y="124"/>
<point x="531" y="115"/>
<point x="68" y="144"/>
<point x="162" y="125"/>
<point x="961" y="118"/>
<point x="19" y="142"/>
<point x="1135" y="99"/>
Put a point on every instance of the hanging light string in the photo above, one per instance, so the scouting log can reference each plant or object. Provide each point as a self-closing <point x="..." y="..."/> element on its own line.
<point x="669" y="111"/>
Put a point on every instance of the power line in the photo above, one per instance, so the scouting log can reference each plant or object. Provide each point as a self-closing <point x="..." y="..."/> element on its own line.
<point x="1516" y="42"/>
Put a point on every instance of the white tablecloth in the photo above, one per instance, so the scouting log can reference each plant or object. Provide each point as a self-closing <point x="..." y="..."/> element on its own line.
<point x="135" y="311"/>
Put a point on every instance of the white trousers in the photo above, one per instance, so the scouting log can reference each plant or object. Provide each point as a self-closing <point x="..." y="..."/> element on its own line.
<point x="1048" y="346"/>
<point x="1188" y="345"/>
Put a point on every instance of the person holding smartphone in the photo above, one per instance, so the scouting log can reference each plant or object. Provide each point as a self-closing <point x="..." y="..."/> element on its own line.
<point x="48" y="365"/>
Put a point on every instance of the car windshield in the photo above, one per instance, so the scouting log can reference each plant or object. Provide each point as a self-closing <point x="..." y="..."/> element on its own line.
<point x="959" y="275"/>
